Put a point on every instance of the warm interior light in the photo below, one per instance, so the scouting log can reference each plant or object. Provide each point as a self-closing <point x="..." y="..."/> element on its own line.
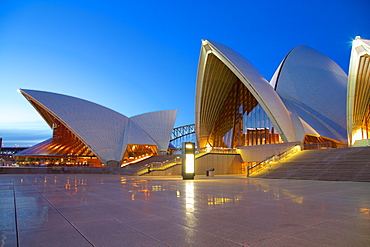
<point x="135" y="161"/>
<point x="357" y="135"/>
<point x="208" y="148"/>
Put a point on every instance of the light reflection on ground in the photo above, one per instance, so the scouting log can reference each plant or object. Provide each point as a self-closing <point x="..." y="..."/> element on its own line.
<point x="221" y="209"/>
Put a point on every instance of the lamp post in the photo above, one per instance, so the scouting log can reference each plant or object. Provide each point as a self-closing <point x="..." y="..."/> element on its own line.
<point x="188" y="160"/>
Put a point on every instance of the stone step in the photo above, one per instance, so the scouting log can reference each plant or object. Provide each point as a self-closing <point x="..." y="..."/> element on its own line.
<point x="344" y="164"/>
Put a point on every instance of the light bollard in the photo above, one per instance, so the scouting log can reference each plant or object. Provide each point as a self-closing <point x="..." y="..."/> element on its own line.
<point x="188" y="160"/>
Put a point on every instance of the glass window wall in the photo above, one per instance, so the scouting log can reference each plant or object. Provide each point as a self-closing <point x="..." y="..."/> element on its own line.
<point x="242" y="121"/>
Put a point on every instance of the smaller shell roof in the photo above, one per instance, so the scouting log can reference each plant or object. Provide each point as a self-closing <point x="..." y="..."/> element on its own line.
<point x="98" y="127"/>
<point x="158" y="125"/>
<point x="104" y="131"/>
<point x="316" y="88"/>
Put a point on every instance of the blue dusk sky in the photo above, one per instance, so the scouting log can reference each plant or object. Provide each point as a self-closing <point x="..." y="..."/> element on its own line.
<point x="141" y="56"/>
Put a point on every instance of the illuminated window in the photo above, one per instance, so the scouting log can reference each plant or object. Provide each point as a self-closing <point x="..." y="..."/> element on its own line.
<point x="134" y="151"/>
<point x="319" y="142"/>
<point x="242" y="121"/>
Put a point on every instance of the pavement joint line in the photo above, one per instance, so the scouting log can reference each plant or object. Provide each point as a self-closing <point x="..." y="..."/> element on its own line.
<point x="16" y="216"/>
<point x="96" y="210"/>
<point x="163" y="219"/>
<point x="351" y="210"/>
<point x="62" y="214"/>
<point x="118" y="220"/>
<point x="255" y="241"/>
<point x="209" y="233"/>
<point x="309" y="229"/>
<point x="346" y="218"/>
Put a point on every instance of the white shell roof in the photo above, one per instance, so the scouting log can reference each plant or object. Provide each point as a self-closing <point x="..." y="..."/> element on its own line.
<point x="314" y="87"/>
<point x="135" y="135"/>
<point x="104" y="131"/>
<point x="158" y="125"/>
<point x="253" y="80"/>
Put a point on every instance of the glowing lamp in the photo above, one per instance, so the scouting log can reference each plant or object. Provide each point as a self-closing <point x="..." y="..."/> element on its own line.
<point x="188" y="160"/>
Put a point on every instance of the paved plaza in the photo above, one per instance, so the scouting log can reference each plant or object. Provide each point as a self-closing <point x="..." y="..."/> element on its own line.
<point x="113" y="210"/>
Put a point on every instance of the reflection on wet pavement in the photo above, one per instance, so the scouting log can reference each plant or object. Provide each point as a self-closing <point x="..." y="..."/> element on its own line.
<point x="46" y="209"/>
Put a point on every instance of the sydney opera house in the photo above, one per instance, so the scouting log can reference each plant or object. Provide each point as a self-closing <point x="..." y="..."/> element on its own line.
<point x="306" y="103"/>
<point x="86" y="133"/>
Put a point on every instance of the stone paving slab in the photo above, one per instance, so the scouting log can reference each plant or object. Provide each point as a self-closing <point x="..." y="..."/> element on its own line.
<point x="116" y="210"/>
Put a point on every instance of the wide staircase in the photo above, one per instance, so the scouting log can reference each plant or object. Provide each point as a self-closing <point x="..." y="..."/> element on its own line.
<point x="341" y="164"/>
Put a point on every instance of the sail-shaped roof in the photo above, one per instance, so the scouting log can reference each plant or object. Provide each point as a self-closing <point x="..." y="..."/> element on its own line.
<point x="314" y="87"/>
<point x="158" y="125"/>
<point x="104" y="131"/>
<point x="98" y="127"/>
<point x="214" y="81"/>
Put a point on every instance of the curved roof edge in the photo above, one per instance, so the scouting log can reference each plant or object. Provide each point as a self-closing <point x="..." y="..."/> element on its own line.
<point x="360" y="48"/>
<point x="104" y="131"/>
<point x="316" y="84"/>
<point x="275" y="76"/>
<point x="253" y="80"/>
<point x="86" y="120"/>
<point x="158" y="125"/>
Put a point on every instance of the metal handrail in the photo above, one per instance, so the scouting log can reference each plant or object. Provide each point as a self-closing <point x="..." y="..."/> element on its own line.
<point x="219" y="150"/>
<point x="266" y="163"/>
<point x="205" y="151"/>
<point x="158" y="166"/>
